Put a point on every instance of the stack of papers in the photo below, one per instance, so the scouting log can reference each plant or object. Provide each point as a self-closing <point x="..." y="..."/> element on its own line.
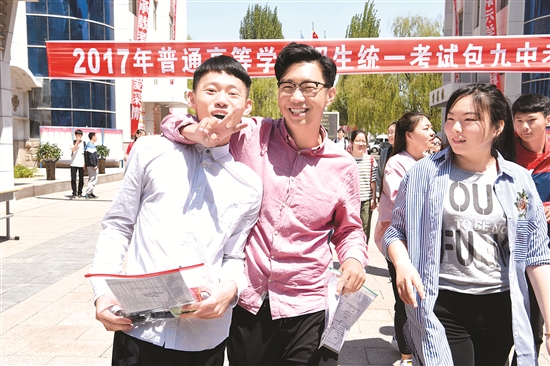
<point x="342" y="311"/>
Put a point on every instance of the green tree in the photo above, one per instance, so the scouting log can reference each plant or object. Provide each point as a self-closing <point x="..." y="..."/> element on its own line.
<point x="366" y="101"/>
<point x="262" y="23"/>
<point x="414" y="88"/>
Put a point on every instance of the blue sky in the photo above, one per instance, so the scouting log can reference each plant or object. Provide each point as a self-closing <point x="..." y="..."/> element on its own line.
<point x="220" y="20"/>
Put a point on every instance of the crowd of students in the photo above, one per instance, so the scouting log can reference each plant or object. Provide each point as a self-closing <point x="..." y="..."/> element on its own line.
<point x="464" y="229"/>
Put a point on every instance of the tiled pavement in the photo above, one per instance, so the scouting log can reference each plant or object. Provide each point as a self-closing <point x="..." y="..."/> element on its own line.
<point x="47" y="316"/>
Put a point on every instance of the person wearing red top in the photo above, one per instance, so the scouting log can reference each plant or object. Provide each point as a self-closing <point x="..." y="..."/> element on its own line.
<point x="311" y="187"/>
<point x="531" y="119"/>
<point x="140" y="132"/>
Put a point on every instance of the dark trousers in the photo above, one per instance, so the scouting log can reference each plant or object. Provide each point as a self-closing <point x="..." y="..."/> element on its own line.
<point x="130" y="351"/>
<point x="400" y="315"/>
<point x="537" y="322"/>
<point x="259" y="340"/>
<point x="478" y="327"/>
<point x="80" y="170"/>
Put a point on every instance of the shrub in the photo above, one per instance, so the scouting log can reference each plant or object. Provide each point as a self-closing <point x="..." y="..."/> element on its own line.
<point x="20" y="171"/>
<point x="102" y="151"/>
<point x="48" y="152"/>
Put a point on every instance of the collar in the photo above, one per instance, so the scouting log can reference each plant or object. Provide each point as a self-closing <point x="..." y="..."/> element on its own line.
<point x="290" y="141"/>
<point x="505" y="167"/>
<point x="217" y="152"/>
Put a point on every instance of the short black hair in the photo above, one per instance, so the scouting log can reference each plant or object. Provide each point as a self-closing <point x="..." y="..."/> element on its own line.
<point x="532" y="103"/>
<point x="91" y="134"/>
<point x="78" y="132"/>
<point x="341" y="130"/>
<point x="222" y="64"/>
<point x="294" y="53"/>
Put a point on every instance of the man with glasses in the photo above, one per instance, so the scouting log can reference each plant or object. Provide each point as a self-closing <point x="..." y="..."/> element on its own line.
<point x="310" y="188"/>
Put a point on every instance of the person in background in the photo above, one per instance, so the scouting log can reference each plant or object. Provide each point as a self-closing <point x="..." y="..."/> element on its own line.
<point x="367" y="177"/>
<point x="90" y="157"/>
<point x="173" y="210"/>
<point x="281" y="315"/>
<point x="340" y="139"/>
<point x="77" y="164"/>
<point x="438" y="145"/>
<point x="140" y="132"/>
<point x="467" y="225"/>
<point x="531" y="113"/>
<point x="385" y="153"/>
<point x="413" y="136"/>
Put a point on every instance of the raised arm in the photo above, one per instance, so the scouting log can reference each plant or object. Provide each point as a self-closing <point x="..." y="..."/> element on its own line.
<point x="209" y="132"/>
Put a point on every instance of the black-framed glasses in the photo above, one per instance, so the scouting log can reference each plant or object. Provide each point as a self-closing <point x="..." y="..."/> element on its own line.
<point x="437" y="143"/>
<point x="307" y="88"/>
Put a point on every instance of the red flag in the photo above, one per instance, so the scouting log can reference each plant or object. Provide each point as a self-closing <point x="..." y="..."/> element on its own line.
<point x="314" y="35"/>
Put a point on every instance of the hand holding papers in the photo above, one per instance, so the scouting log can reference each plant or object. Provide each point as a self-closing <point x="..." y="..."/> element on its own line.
<point x="153" y="296"/>
<point x="342" y="311"/>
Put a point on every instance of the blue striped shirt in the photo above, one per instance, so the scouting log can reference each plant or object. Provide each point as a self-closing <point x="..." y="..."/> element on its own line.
<point x="417" y="221"/>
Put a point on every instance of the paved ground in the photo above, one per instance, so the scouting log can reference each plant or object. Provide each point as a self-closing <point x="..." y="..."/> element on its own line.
<point x="46" y="311"/>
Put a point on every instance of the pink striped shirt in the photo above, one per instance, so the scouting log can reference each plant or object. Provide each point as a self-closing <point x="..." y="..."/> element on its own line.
<point x="307" y="193"/>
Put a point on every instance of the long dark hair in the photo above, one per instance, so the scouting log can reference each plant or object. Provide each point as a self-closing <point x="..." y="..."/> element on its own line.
<point x="488" y="100"/>
<point x="407" y="123"/>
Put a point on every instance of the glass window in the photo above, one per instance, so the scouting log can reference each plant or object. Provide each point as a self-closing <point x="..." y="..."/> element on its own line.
<point x="38" y="7"/>
<point x="61" y="91"/>
<point x="97" y="32"/>
<point x="109" y="13"/>
<point x="79" y="9"/>
<point x="110" y="98"/>
<point x="540" y="86"/>
<point x="37" y="30"/>
<point x="59" y="29"/>
<point x="37" y="61"/>
<point x="61" y="118"/>
<point x="98" y="96"/>
<point x="81" y="95"/>
<point x="58" y="7"/>
<point x="99" y="120"/>
<point x="80" y="30"/>
<point x="81" y="119"/>
<point x="539" y="26"/>
<point x="536" y="9"/>
<point x="96" y="10"/>
<point x="133" y="6"/>
<point x="37" y="96"/>
<point x="35" y="129"/>
<point x="109" y="34"/>
<point x="111" y="120"/>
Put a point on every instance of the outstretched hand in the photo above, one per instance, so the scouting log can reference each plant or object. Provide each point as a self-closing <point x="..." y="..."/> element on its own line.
<point x="212" y="131"/>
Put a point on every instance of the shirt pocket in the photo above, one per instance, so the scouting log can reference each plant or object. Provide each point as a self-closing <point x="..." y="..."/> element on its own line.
<point x="524" y="232"/>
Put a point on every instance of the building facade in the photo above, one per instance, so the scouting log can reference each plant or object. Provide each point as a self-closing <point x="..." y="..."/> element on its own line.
<point x="513" y="17"/>
<point x="86" y="103"/>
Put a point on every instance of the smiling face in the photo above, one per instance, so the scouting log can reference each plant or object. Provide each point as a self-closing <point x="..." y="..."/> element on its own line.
<point x="531" y="127"/>
<point x="421" y="138"/>
<point x="359" y="145"/>
<point x="303" y="114"/>
<point x="217" y="94"/>
<point x="469" y="131"/>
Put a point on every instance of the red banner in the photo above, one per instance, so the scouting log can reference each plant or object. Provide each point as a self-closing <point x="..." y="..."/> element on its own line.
<point x="137" y="84"/>
<point x="104" y="60"/>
